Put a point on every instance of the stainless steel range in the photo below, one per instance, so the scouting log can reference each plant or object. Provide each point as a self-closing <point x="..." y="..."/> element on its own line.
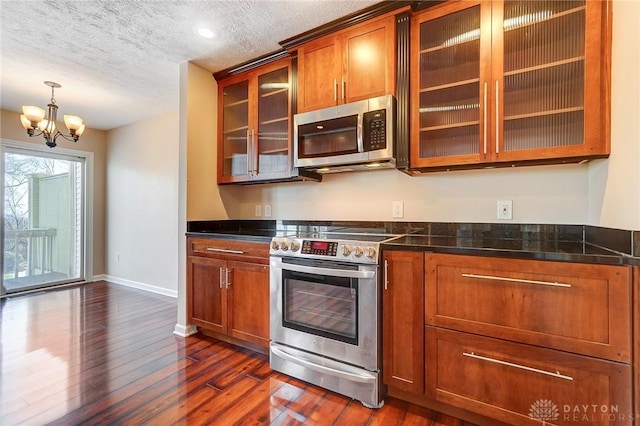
<point x="326" y="311"/>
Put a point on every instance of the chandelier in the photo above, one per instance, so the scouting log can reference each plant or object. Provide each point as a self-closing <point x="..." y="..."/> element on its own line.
<point x="34" y="121"/>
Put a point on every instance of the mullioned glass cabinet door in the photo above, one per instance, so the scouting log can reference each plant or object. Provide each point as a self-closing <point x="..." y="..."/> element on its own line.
<point x="449" y="109"/>
<point x="543" y="71"/>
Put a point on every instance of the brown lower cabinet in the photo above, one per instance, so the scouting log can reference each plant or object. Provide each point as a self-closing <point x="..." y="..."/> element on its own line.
<point x="402" y="319"/>
<point x="512" y="341"/>
<point x="228" y="288"/>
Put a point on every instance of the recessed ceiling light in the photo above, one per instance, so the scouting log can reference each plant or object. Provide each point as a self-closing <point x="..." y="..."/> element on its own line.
<point x="206" y="32"/>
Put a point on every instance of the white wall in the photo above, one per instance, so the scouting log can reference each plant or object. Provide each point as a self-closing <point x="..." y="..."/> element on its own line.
<point x="614" y="185"/>
<point x="142" y="201"/>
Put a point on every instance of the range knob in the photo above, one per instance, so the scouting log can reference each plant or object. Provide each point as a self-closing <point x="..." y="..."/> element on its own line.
<point x="295" y="246"/>
<point x="370" y="252"/>
<point x="346" y="251"/>
<point x="284" y="246"/>
<point x="358" y="252"/>
<point x="275" y="245"/>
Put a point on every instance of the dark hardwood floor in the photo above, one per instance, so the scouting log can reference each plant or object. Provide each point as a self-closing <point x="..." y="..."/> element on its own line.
<point x="105" y="354"/>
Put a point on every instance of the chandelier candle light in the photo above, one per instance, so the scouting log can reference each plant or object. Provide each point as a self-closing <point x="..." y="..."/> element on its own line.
<point x="33" y="118"/>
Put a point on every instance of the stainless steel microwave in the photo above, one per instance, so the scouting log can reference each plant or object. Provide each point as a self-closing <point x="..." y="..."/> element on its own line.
<point x="355" y="136"/>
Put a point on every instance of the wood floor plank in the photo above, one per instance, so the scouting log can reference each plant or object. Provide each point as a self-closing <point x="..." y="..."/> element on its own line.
<point x="234" y="414"/>
<point x="102" y="353"/>
<point x="391" y="414"/>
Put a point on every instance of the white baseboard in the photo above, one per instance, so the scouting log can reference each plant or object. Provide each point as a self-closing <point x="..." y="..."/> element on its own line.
<point x="138" y="285"/>
<point x="185" y="330"/>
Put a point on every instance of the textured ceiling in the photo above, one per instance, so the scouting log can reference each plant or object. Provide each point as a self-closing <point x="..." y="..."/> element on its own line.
<point x="118" y="60"/>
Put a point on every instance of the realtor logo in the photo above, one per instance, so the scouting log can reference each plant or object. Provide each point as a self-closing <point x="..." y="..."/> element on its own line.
<point x="544" y="410"/>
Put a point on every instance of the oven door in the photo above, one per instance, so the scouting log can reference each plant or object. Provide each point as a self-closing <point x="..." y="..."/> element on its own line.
<point x="327" y="308"/>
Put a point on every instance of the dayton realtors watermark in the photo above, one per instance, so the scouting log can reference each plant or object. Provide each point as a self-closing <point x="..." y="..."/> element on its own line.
<point x="546" y="410"/>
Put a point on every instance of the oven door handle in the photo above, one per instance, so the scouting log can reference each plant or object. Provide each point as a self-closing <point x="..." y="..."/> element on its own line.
<point x="323" y="368"/>
<point x="324" y="271"/>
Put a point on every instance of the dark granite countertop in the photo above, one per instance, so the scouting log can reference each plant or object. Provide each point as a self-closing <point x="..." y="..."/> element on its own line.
<point x="568" y="243"/>
<point x="566" y="251"/>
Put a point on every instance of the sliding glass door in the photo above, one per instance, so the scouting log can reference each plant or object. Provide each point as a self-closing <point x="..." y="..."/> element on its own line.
<point x="43" y="223"/>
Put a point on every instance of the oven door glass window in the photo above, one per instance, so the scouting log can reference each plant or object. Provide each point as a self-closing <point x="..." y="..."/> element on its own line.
<point x="322" y="305"/>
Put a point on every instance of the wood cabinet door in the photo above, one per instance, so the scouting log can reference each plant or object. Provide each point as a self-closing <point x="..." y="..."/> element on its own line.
<point x="319" y="73"/>
<point x="206" y="296"/>
<point x="369" y="61"/>
<point x="248" y="300"/>
<point x="403" y="321"/>
<point x="525" y="385"/>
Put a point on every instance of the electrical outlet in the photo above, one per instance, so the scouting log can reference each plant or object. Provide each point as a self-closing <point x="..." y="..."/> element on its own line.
<point x="258" y="211"/>
<point x="397" y="210"/>
<point x="267" y="210"/>
<point x="505" y="209"/>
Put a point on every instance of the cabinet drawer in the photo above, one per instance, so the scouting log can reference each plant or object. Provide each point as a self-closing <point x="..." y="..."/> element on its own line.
<point x="580" y="308"/>
<point x="521" y="384"/>
<point x="227" y="248"/>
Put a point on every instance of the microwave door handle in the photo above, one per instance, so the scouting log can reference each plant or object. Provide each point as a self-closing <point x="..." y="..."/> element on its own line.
<point x="323" y="271"/>
<point x="359" y="135"/>
<point x="248" y="152"/>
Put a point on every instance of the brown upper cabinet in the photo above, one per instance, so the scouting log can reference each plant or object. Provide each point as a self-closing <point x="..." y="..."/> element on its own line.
<point x="509" y="82"/>
<point x="347" y="66"/>
<point x="254" y="111"/>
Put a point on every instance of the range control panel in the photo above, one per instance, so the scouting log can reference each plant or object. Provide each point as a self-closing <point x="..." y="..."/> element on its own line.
<point x="324" y="248"/>
<point x="345" y="251"/>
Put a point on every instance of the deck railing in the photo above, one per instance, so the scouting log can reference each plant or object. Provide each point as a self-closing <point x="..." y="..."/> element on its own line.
<point x="32" y="251"/>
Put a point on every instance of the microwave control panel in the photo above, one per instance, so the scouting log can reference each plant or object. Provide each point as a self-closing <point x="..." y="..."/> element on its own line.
<point x="375" y="130"/>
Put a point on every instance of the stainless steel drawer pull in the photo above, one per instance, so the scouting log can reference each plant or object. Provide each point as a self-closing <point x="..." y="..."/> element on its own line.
<point x="386" y="274"/>
<point x="517" y="280"/>
<point x="485" y="118"/>
<point x="522" y="367"/>
<point x="221" y="279"/>
<point x="401" y="379"/>
<point x="217" y="250"/>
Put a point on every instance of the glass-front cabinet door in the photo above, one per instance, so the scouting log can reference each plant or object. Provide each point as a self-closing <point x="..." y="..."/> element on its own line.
<point x="233" y="161"/>
<point x="509" y="81"/>
<point x="254" y="134"/>
<point x="547" y="79"/>
<point x="273" y="123"/>
<point x="449" y="109"/>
